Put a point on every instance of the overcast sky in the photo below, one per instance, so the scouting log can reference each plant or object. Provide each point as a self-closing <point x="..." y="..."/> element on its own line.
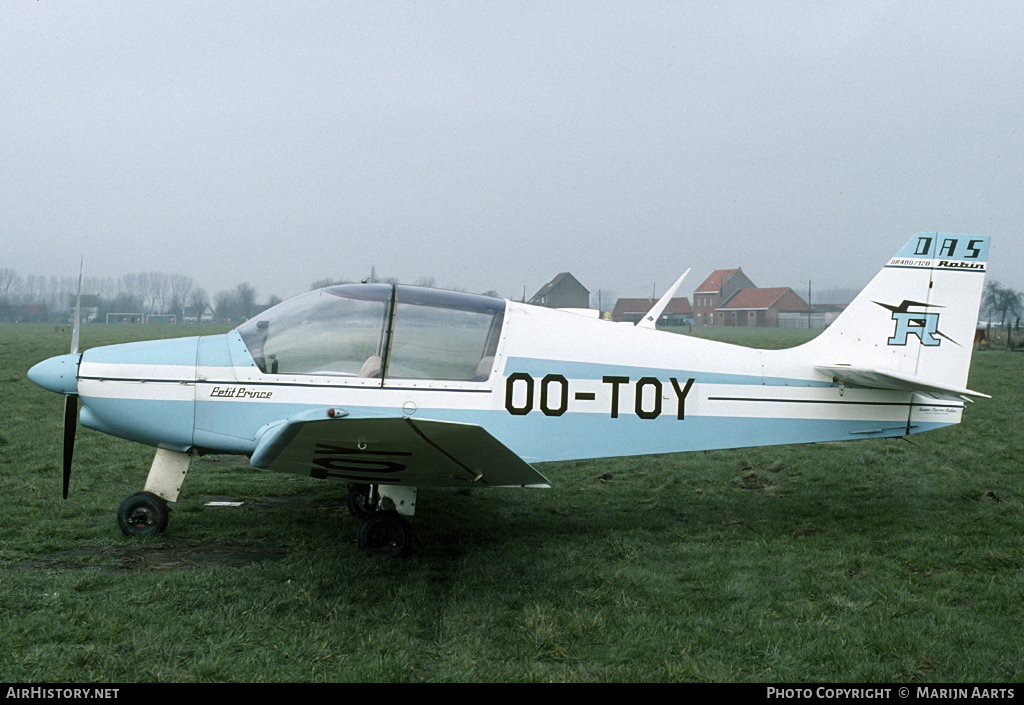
<point x="491" y="145"/>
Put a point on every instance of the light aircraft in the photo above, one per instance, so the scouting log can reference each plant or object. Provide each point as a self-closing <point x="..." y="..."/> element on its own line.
<point x="392" y="387"/>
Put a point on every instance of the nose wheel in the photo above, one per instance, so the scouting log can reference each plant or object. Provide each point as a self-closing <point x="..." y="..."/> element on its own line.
<point x="142" y="514"/>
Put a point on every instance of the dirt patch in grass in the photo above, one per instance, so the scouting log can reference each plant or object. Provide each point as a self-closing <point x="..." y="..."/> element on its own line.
<point x="148" y="555"/>
<point x="198" y="554"/>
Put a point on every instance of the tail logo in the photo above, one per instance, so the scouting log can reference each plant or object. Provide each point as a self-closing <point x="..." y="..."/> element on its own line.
<point x="922" y="324"/>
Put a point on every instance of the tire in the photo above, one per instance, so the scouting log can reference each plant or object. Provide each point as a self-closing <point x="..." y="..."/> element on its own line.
<point x="143" y="514"/>
<point x="385" y="533"/>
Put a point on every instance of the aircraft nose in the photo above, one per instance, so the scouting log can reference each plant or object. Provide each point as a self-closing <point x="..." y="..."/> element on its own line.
<point x="58" y="374"/>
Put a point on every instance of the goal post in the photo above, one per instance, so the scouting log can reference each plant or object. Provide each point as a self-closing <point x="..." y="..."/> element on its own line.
<point x="125" y="318"/>
<point x="161" y="318"/>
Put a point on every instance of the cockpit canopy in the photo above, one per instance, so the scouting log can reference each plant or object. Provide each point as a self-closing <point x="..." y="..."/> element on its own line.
<point x="378" y="331"/>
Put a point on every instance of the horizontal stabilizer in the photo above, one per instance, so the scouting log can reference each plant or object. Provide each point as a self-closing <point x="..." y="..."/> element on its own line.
<point x="889" y="379"/>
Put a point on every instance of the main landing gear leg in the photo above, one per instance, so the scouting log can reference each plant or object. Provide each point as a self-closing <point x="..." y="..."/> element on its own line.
<point x="147" y="512"/>
<point x="381" y="510"/>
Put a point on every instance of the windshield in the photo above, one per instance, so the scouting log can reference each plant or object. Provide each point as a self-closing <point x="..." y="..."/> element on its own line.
<point x="345" y="331"/>
<point x="331" y="331"/>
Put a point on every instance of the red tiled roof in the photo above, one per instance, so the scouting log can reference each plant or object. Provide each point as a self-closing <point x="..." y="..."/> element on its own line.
<point x="758" y="299"/>
<point x="677" y="305"/>
<point x="716" y="281"/>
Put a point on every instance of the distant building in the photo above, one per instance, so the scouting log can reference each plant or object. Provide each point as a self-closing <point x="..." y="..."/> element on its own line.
<point x="763" y="308"/>
<point x="90" y="306"/>
<point x="715" y="291"/>
<point x="822" y="315"/>
<point x="564" y="291"/>
<point x="27" y="313"/>
<point x="197" y="314"/>
<point x="677" y="313"/>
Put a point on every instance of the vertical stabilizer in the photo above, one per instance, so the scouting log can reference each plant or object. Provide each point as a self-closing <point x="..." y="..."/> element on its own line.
<point x="918" y="316"/>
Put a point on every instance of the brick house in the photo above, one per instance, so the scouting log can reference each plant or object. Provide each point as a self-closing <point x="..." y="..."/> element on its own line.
<point x="564" y="291"/>
<point x="715" y="291"/>
<point x="677" y="313"/>
<point x="762" y="308"/>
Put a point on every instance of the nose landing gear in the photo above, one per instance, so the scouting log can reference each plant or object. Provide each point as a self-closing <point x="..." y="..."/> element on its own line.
<point x="145" y="513"/>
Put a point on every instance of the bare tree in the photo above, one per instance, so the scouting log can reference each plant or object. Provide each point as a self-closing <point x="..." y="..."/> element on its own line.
<point x="180" y="286"/>
<point x="1002" y="303"/>
<point x="245" y="298"/>
<point x="68" y="292"/>
<point x="104" y="287"/>
<point x="129" y="291"/>
<point x="35" y="289"/>
<point x="155" y="288"/>
<point x="199" y="300"/>
<point x="52" y="296"/>
<point x="10" y="284"/>
<point x="224" y="305"/>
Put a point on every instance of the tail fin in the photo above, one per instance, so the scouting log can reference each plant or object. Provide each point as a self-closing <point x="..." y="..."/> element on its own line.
<point x="913" y="326"/>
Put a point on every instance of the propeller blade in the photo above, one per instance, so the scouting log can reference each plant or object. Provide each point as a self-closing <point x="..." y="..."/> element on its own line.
<point x="71" y="400"/>
<point x="70" y="423"/>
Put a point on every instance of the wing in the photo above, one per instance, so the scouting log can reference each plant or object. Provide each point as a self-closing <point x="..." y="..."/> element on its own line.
<point x="392" y="451"/>
<point x="890" y="379"/>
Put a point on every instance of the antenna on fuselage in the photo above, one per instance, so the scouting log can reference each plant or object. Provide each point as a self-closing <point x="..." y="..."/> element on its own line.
<point x="651" y="318"/>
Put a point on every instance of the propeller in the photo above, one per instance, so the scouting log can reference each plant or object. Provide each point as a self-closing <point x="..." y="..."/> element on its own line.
<point x="70" y="424"/>
<point x="71" y="400"/>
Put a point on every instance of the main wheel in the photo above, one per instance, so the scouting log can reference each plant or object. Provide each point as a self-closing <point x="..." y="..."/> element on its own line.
<point x="386" y="533"/>
<point x="142" y="514"/>
<point x="358" y="501"/>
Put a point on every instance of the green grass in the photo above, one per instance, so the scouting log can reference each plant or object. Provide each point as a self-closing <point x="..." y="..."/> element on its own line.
<point x="879" y="561"/>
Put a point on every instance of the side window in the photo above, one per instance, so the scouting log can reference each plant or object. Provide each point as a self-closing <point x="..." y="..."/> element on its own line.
<point x="440" y="343"/>
<point x="444" y="335"/>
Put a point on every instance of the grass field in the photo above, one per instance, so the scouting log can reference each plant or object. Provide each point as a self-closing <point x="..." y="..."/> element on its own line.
<point x="882" y="561"/>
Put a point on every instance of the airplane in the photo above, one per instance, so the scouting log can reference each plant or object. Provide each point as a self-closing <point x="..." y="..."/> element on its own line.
<point x="389" y="387"/>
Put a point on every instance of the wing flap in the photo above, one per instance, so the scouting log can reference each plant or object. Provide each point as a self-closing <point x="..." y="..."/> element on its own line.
<point x="397" y="451"/>
<point x="890" y="379"/>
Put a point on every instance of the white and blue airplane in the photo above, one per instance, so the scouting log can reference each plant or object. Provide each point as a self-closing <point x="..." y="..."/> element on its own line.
<point x="392" y="387"/>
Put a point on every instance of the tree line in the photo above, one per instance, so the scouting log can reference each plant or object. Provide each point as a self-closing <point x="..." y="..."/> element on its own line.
<point x="23" y="298"/>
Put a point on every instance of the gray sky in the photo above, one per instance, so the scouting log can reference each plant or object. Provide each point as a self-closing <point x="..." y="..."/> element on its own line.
<point x="491" y="145"/>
